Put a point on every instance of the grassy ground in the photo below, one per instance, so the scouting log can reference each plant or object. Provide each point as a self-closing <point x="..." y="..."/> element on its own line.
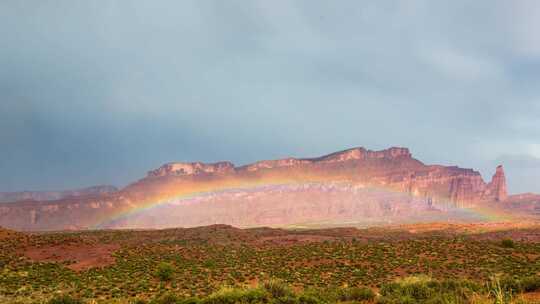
<point x="313" y="265"/>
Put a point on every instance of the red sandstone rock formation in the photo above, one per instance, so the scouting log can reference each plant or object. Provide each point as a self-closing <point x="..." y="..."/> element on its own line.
<point x="351" y="185"/>
<point x="525" y="202"/>
<point x="496" y="189"/>
<point x="192" y="168"/>
<point x="524" y="197"/>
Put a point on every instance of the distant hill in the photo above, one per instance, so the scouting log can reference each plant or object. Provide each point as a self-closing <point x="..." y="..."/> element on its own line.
<point x="53" y="195"/>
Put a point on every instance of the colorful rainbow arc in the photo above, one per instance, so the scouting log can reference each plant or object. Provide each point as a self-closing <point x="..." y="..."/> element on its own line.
<point x="487" y="214"/>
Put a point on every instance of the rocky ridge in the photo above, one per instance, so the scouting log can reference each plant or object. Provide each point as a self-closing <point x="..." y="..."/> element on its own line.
<point x="393" y="167"/>
<point x="54" y="195"/>
<point x="351" y="185"/>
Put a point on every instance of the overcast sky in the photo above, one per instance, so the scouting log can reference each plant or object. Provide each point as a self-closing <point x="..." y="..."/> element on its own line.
<point x="99" y="92"/>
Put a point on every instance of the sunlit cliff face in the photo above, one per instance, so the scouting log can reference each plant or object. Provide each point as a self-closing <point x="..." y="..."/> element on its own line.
<point x="392" y="169"/>
<point x="352" y="186"/>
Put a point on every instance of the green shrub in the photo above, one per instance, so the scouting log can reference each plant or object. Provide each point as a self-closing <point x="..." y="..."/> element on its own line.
<point x="497" y="291"/>
<point x="515" y="285"/>
<point x="309" y="299"/>
<point x="228" y="295"/>
<point x="191" y="300"/>
<point x="356" y="294"/>
<point x="508" y="243"/>
<point x="530" y="284"/>
<point x="460" y="285"/>
<point x="509" y="284"/>
<point x="454" y="291"/>
<point x="396" y="300"/>
<point x="330" y="295"/>
<point x="277" y="289"/>
<point x="418" y="288"/>
<point x="164" y="271"/>
<point x="289" y="299"/>
<point x="254" y="295"/>
<point x="423" y="289"/>
<point x="168" y="298"/>
<point x="64" y="299"/>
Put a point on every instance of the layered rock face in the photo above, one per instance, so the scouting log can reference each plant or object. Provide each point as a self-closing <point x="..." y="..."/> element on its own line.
<point x="497" y="187"/>
<point x="53" y="195"/>
<point x="527" y="202"/>
<point x="301" y="205"/>
<point x="524" y="197"/>
<point x="191" y="168"/>
<point x="392" y="168"/>
<point x="353" y="186"/>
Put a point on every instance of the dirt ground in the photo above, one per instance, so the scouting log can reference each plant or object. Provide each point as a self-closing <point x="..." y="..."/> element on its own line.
<point x="531" y="297"/>
<point x="82" y="251"/>
<point x="79" y="256"/>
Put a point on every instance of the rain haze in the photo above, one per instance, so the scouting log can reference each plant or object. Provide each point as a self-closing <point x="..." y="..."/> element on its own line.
<point x="99" y="92"/>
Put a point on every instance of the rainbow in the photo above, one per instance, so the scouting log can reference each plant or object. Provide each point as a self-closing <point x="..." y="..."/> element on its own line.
<point x="192" y="190"/>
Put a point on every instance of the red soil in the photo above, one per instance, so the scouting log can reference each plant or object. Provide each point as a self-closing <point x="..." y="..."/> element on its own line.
<point x="80" y="256"/>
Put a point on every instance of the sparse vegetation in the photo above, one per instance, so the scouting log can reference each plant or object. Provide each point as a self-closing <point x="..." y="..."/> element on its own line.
<point x="423" y="289"/>
<point x="508" y="243"/>
<point x="414" y="289"/>
<point x="64" y="299"/>
<point x="530" y="284"/>
<point x="356" y="294"/>
<point x="264" y="266"/>
<point x="164" y="271"/>
<point x="277" y="289"/>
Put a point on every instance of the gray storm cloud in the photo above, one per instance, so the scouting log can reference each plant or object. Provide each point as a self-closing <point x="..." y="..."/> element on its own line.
<point x="101" y="92"/>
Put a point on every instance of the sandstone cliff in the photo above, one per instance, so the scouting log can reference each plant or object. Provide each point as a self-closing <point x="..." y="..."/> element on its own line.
<point x="394" y="168"/>
<point x="351" y="186"/>
<point x="497" y="187"/>
<point x="192" y="168"/>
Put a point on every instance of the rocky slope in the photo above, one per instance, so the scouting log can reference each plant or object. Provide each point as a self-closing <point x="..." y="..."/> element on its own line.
<point x="53" y="195"/>
<point x="355" y="186"/>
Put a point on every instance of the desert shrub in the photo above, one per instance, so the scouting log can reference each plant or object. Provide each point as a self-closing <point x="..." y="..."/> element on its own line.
<point x="412" y="287"/>
<point x="164" y="271"/>
<point x="168" y="298"/>
<point x="64" y="299"/>
<point x="228" y="295"/>
<point x="396" y="300"/>
<point x="497" y="292"/>
<point x="356" y="294"/>
<point x="423" y="289"/>
<point x="507" y="284"/>
<point x="191" y="300"/>
<point x="288" y="299"/>
<point x="529" y="284"/>
<point x="255" y="295"/>
<point x="458" y="285"/>
<point x="330" y="295"/>
<point x="508" y="243"/>
<point x="277" y="288"/>
<point x="309" y="299"/>
<point x="516" y="285"/>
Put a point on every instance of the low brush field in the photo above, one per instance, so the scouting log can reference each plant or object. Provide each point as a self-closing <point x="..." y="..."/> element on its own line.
<point x="222" y="264"/>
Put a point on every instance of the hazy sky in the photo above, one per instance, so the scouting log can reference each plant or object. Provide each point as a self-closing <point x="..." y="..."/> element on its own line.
<point x="99" y="92"/>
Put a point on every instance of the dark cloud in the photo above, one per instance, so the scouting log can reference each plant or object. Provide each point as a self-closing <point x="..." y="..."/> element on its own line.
<point x="100" y="92"/>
